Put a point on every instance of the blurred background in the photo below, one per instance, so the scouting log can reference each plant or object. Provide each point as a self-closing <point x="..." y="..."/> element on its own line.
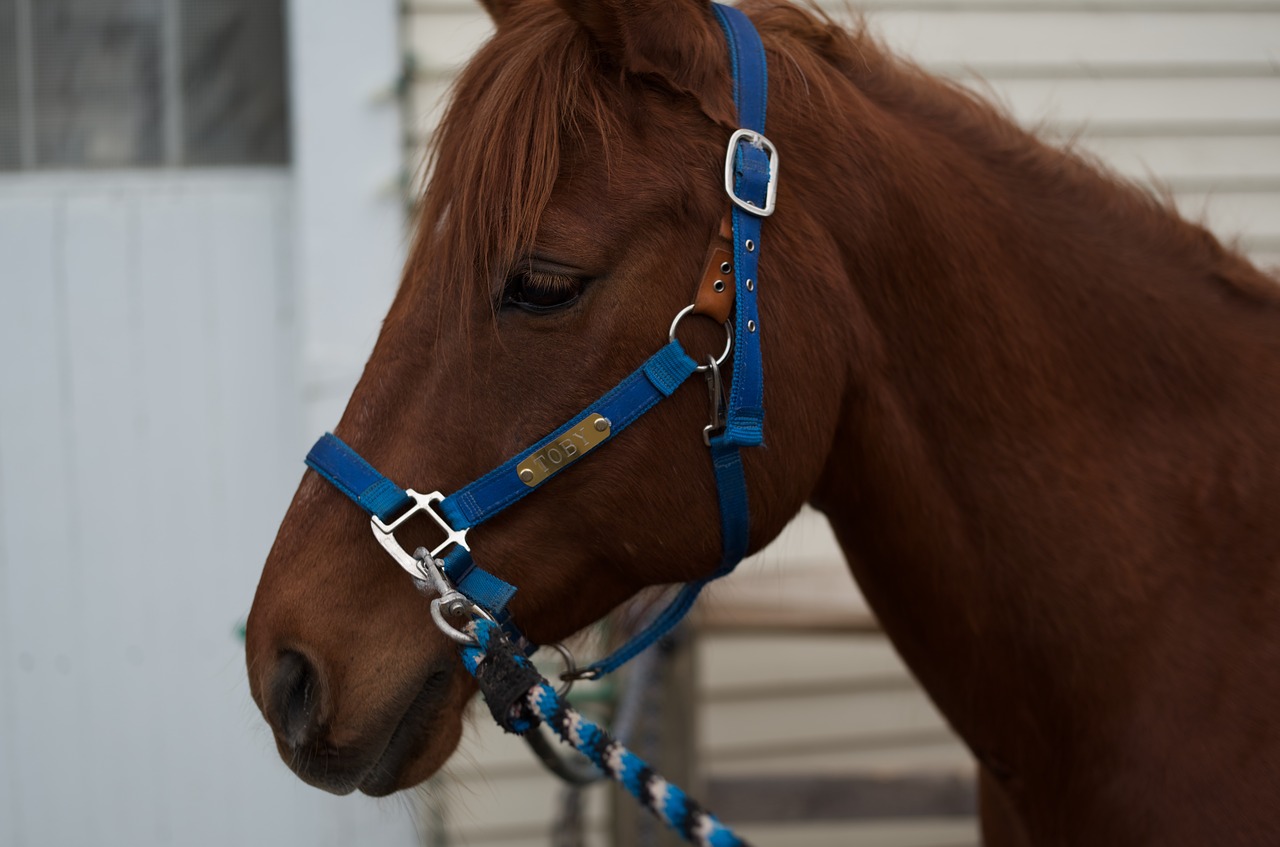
<point x="202" y="220"/>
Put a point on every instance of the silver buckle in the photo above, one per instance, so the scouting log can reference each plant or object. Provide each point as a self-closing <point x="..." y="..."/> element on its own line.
<point x="771" y="193"/>
<point x="385" y="533"/>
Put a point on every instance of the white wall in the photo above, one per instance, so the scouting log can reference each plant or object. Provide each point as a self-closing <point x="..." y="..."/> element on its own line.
<point x="347" y="164"/>
<point x="145" y="392"/>
<point x="170" y="342"/>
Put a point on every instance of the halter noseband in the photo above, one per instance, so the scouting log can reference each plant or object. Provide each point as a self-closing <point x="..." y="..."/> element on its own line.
<point x="751" y="172"/>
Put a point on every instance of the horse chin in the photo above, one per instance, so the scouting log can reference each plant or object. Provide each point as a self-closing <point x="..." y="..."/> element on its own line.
<point x="421" y="743"/>
<point x="403" y="746"/>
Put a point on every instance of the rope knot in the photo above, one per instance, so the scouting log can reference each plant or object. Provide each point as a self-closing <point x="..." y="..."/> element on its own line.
<point x="504" y="676"/>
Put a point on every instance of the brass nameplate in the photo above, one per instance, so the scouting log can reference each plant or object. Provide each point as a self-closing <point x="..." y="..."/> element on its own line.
<point x="578" y="441"/>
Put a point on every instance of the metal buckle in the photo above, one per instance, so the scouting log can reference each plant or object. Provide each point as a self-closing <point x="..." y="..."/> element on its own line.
<point x="771" y="193"/>
<point x="385" y="533"/>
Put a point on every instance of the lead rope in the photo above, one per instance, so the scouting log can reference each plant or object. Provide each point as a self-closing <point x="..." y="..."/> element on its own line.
<point x="520" y="697"/>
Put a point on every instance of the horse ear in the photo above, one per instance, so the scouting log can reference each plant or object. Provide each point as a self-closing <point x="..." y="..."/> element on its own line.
<point x="499" y="9"/>
<point x="677" y="40"/>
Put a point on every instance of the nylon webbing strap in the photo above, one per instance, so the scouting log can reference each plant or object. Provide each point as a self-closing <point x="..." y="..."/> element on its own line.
<point x="745" y="426"/>
<point x="333" y="459"/>
<point x="353" y="476"/>
<point x="657" y="378"/>
<point x="745" y="414"/>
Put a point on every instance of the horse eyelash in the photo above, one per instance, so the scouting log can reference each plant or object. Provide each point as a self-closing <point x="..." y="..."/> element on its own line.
<point x="552" y="284"/>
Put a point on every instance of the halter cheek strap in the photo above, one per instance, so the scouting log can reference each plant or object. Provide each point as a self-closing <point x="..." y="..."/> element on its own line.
<point x="751" y="172"/>
<point x="656" y="379"/>
<point x="390" y="504"/>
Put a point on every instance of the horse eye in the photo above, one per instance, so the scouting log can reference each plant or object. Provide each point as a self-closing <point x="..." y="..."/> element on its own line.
<point x="539" y="292"/>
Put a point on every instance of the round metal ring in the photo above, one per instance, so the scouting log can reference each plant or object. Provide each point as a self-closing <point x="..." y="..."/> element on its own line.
<point x="569" y="677"/>
<point x="728" y="337"/>
<point x="452" y="631"/>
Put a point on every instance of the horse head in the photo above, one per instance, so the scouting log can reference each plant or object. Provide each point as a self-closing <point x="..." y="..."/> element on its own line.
<point x="577" y="183"/>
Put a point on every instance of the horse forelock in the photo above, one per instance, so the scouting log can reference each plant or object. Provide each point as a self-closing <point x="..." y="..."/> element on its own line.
<point x="539" y="85"/>
<point x="534" y="88"/>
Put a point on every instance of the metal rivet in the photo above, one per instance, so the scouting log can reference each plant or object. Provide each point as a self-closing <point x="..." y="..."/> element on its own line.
<point x="602" y="424"/>
<point x="725" y="267"/>
<point x="751" y="326"/>
<point x="751" y="285"/>
<point x="718" y="285"/>
<point x="526" y="475"/>
<point x="751" y="246"/>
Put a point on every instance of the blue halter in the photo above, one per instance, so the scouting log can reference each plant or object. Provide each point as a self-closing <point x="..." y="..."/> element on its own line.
<point x="751" y="171"/>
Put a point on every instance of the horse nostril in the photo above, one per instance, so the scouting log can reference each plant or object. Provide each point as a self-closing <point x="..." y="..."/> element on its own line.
<point x="295" y="695"/>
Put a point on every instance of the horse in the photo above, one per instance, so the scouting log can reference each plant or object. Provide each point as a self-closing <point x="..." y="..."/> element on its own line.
<point x="1040" y="410"/>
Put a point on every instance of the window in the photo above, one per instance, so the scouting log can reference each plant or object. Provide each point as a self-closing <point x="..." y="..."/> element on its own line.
<point x="140" y="83"/>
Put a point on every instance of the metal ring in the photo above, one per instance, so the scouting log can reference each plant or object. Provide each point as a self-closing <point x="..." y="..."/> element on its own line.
<point x="569" y="677"/>
<point x="728" y="337"/>
<point x="452" y="631"/>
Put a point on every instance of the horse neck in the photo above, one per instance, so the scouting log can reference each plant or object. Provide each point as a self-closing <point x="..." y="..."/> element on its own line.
<point x="1050" y="376"/>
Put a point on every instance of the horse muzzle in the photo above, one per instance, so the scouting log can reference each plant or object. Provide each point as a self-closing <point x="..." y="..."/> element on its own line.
<point x="341" y="745"/>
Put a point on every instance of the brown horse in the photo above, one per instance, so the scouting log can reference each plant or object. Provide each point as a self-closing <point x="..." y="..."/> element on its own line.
<point x="1041" y="412"/>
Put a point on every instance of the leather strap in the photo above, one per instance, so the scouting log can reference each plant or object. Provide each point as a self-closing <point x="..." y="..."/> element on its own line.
<point x="716" y="288"/>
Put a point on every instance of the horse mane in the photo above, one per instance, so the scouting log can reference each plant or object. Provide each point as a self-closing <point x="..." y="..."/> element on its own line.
<point x="1038" y="170"/>
<point x="540" y="83"/>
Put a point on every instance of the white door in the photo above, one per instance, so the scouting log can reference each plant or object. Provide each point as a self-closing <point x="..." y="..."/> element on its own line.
<point x="168" y="257"/>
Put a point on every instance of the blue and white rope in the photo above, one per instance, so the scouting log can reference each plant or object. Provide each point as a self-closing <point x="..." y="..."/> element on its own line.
<point x="665" y="800"/>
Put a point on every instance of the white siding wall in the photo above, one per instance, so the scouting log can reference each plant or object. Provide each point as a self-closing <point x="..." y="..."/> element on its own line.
<point x="1182" y="93"/>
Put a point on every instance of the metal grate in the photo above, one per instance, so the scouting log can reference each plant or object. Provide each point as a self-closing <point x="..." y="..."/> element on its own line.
<point x="233" y="82"/>
<point x="140" y="83"/>
<point x="9" y="156"/>
<point x="98" y="92"/>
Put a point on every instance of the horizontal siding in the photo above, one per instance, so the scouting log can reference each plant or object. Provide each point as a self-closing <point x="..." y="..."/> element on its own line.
<point x="1181" y="95"/>
<point x="1104" y="7"/>
<point x="1065" y="41"/>
<point x="993" y="42"/>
